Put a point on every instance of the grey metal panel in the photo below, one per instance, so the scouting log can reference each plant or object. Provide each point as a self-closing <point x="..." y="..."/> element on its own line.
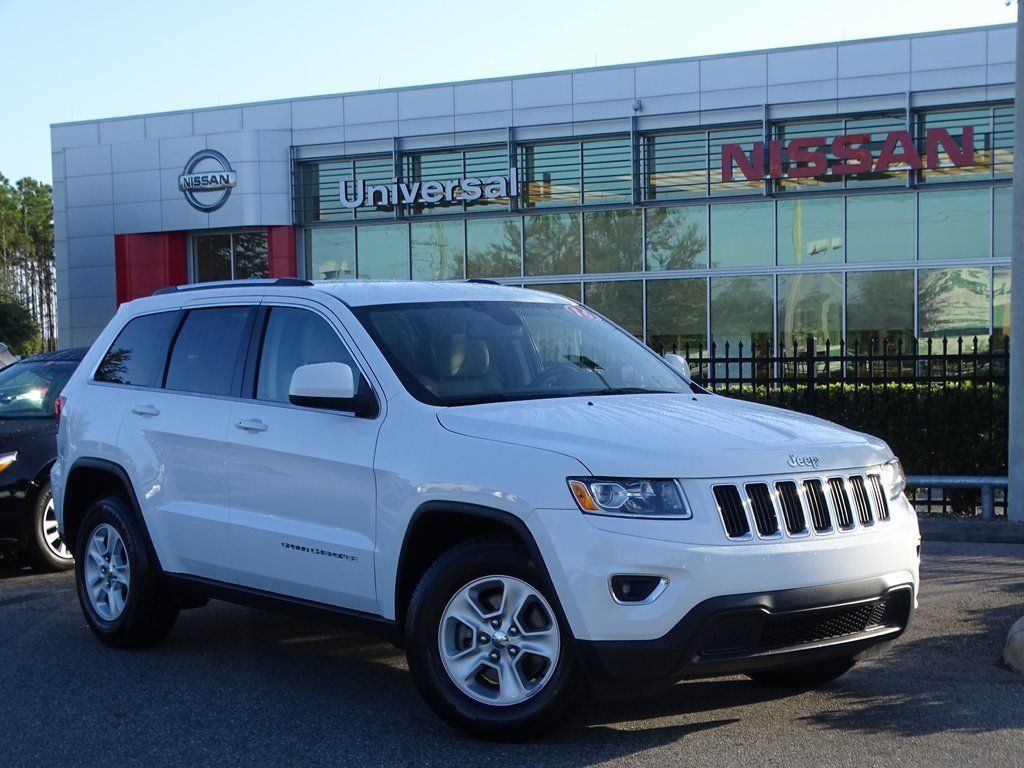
<point x="60" y="225"/>
<point x="495" y="136"/>
<point x="120" y="131"/>
<point x="137" y="156"/>
<point x="367" y="131"/>
<point x="1002" y="45"/>
<point x="748" y="114"/>
<point x="544" y="91"/>
<point x="603" y="110"/>
<point x="78" y="135"/>
<point x="946" y="51"/>
<point x="275" y="177"/>
<point x="168" y="126"/>
<point x="874" y="58"/>
<point x="318" y="113"/>
<point x="275" y="146"/>
<point x="418" y="142"/>
<point x="267" y="116"/>
<point x="217" y="120"/>
<point x="598" y="127"/>
<point x="794" y="92"/>
<point x="137" y="186"/>
<point x="60" y="254"/>
<point x="318" y="136"/>
<point x="603" y="85"/>
<point x="483" y="120"/>
<point x="91" y="220"/>
<point x="371" y="108"/>
<point x="542" y="115"/>
<point x="878" y="84"/>
<point x="174" y="153"/>
<point x="426" y="125"/>
<point x="241" y="210"/>
<point x="733" y="72"/>
<point x="89" y="190"/>
<point x="248" y="175"/>
<point x="169" y="184"/>
<point x="801" y="65"/>
<point x="947" y="97"/>
<point x="86" y="161"/>
<point x="57" y="165"/>
<point x="59" y="195"/>
<point x="483" y="97"/>
<point x="91" y="251"/>
<point x="873" y="103"/>
<point x="1000" y="73"/>
<point x="92" y="311"/>
<point x="1003" y="92"/>
<point x="92" y="281"/>
<point x="275" y="209"/>
<point x="543" y="132"/>
<point x="177" y="214"/>
<point x="667" y="79"/>
<point x="660" y="105"/>
<point x="240" y="147"/>
<point x="426" y="102"/>
<point x="661" y="122"/>
<point x="799" y="109"/>
<point x="137" y="217"/>
<point x="737" y="97"/>
<point x="84" y="337"/>
<point x="935" y="79"/>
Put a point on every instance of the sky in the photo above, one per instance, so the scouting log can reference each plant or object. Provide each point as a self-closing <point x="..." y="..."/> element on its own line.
<point x="69" y="60"/>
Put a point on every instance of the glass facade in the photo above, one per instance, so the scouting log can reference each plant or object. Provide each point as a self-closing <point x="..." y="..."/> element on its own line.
<point x="651" y="231"/>
<point x="230" y="256"/>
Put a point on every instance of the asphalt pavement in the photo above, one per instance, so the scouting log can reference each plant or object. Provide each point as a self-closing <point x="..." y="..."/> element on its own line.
<point x="236" y="686"/>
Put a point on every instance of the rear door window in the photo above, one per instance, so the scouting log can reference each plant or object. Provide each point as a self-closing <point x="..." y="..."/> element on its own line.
<point x="207" y="354"/>
<point x="139" y="352"/>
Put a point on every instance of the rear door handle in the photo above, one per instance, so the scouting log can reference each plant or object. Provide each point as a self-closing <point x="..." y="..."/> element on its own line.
<point x="145" y="409"/>
<point x="251" y="425"/>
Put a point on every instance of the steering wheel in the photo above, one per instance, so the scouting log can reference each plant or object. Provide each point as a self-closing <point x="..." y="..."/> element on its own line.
<point x="549" y="377"/>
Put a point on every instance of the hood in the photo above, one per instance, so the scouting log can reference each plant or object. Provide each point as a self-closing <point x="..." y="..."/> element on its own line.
<point x="15" y="432"/>
<point x="685" y="436"/>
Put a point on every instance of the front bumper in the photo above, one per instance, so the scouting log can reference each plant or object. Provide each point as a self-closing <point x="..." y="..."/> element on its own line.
<point x="733" y="634"/>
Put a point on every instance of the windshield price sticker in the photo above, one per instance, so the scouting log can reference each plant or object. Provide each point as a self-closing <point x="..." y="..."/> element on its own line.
<point x="579" y="311"/>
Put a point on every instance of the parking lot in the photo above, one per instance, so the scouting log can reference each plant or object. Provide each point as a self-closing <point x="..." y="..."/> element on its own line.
<point x="234" y="686"/>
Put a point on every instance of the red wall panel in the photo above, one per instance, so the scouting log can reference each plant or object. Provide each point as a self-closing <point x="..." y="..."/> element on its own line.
<point x="281" y="244"/>
<point x="145" y="262"/>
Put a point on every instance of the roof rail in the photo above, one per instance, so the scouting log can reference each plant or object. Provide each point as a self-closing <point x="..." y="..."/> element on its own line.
<point x="482" y="281"/>
<point x="249" y="283"/>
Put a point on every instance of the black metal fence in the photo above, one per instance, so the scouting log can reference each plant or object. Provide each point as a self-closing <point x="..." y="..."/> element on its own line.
<point x="940" y="403"/>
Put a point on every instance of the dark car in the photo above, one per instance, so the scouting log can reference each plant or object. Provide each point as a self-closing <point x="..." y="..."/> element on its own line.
<point x="28" y="448"/>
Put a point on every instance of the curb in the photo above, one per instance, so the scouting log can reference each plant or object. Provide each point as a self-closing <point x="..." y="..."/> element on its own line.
<point x="995" y="532"/>
<point x="1013" y="653"/>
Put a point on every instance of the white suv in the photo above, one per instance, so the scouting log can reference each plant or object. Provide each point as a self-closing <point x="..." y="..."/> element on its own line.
<point x="523" y="496"/>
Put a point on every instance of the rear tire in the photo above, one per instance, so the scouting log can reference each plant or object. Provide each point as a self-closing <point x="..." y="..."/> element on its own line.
<point x="47" y="549"/>
<point x="806" y="676"/>
<point x="117" y="581"/>
<point x="521" y="676"/>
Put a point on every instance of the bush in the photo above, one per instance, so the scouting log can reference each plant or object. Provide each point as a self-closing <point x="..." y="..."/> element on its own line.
<point x="18" y="330"/>
<point x="959" y="428"/>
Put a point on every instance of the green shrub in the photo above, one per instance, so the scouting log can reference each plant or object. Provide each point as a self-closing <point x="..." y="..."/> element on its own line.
<point x="952" y="429"/>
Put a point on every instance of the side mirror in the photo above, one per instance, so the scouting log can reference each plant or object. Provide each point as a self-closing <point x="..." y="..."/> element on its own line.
<point x="331" y="386"/>
<point x="679" y="363"/>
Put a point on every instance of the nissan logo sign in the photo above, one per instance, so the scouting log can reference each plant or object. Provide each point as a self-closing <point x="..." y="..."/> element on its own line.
<point x="207" y="180"/>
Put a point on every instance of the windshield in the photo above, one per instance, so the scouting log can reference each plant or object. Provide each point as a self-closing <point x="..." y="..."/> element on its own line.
<point x="29" y="390"/>
<point x="461" y="353"/>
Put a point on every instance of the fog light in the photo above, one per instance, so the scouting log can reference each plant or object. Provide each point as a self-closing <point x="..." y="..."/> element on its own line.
<point x="637" y="590"/>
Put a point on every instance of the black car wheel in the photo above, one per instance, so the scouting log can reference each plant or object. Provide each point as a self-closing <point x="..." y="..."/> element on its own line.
<point x="48" y="550"/>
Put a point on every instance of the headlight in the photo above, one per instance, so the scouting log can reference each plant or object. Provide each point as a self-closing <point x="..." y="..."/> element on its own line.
<point x="7" y="459"/>
<point x="630" y="498"/>
<point x="893" y="478"/>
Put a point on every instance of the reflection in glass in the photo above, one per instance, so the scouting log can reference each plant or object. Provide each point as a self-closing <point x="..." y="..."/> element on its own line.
<point x="494" y="246"/>
<point x="212" y="257"/>
<point x="433" y="166"/>
<point x="677" y="238"/>
<point x="880" y="228"/>
<point x="810" y="305"/>
<point x="879" y="306"/>
<point x="742" y="234"/>
<point x="741" y="311"/>
<point x="826" y="130"/>
<point x="1000" y="305"/>
<point x="954" y="122"/>
<point x="810" y="231"/>
<point x="613" y="241"/>
<point x="878" y="127"/>
<point x="383" y="252"/>
<point x="552" y="244"/>
<point x="1002" y="142"/>
<point x="438" y="250"/>
<point x="620" y="301"/>
<point x="1002" y="225"/>
<point x="739" y="185"/>
<point x="331" y="253"/>
<point x="677" y="316"/>
<point x="551" y="174"/>
<point x="607" y="171"/>
<point x="953" y="303"/>
<point x="954" y="224"/>
<point x="251" y="255"/>
<point x="569" y="290"/>
<point x="676" y="165"/>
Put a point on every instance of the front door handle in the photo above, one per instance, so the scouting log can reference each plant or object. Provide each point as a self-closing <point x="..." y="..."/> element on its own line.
<point x="144" y="409"/>
<point x="251" y="425"/>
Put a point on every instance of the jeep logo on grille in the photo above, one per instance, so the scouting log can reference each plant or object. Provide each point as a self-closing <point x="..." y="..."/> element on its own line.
<point x="803" y="461"/>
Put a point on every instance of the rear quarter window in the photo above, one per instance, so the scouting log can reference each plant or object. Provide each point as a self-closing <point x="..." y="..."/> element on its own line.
<point x="139" y="352"/>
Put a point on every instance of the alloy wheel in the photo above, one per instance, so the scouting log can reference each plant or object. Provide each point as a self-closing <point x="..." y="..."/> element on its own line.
<point x="51" y="535"/>
<point x="107" y="572"/>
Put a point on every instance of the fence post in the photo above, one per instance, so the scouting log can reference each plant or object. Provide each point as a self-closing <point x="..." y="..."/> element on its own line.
<point x="810" y="368"/>
<point x="988" y="503"/>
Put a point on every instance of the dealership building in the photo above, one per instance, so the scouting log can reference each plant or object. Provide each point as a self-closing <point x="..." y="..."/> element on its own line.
<point x="856" y="190"/>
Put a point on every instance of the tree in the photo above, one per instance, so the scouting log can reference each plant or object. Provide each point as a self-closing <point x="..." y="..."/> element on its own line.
<point x="27" y="271"/>
<point x="18" y="329"/>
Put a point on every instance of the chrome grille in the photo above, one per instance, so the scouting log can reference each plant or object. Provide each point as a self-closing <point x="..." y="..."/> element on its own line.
<point x="818" y="506"/>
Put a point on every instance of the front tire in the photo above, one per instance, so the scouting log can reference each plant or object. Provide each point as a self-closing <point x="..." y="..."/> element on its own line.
<point x="806" y="676"/>
<point x="486" y="647"/>
<point x="117" y="581"/>
<point x="47" y="549"/>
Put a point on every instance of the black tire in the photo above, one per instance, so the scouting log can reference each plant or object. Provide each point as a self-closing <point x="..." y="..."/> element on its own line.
<point x="806" y="676"/>
<point x="149" y="611"/>
<point x="40" y="554"/>
<point x="529" y="719"/>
